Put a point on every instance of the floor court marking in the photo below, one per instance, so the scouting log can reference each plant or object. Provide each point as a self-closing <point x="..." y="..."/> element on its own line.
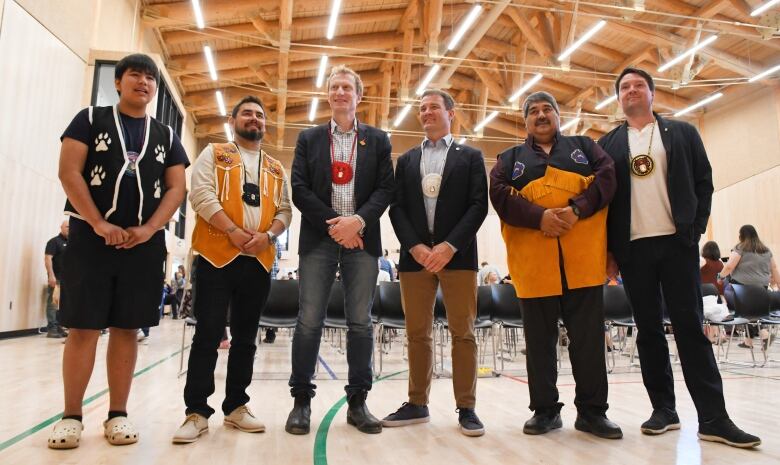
<point x="25" y="434"/>
<point x="321" y="440"/>
<point x="523" y="381"/>
<point x="327" y="367"/>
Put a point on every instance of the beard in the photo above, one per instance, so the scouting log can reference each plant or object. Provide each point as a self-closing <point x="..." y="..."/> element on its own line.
<point x="253" y="134"/>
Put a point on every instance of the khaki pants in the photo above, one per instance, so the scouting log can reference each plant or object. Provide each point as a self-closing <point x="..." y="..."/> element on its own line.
<point x="418" y="295"/>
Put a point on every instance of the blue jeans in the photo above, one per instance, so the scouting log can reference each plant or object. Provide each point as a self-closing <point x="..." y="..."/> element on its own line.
<point x="317" y="272"/>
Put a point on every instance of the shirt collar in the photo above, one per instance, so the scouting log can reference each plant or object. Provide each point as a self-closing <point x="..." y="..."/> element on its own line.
<point x="335" y="127"/>
<point x="531" y="141"/>
<point x="446" y="140"/>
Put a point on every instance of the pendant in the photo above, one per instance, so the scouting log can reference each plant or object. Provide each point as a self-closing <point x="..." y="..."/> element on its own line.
<point x="431" y="184"/>
<point x="642" y="165"/>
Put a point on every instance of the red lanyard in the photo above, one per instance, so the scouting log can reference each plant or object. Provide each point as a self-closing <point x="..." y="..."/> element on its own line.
<point x="333" y="147"/>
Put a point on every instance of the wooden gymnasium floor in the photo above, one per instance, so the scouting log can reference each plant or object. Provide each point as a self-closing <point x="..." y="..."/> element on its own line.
<point x="31" y="400"/>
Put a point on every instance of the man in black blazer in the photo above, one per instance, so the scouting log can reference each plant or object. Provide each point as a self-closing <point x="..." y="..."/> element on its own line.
<point x="659" y="212"/>
<point x="342" y="182"/>
<point x="440" y="202"/>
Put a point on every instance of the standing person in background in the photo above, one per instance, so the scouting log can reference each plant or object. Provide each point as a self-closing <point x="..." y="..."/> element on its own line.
<point x="53" y="260"/>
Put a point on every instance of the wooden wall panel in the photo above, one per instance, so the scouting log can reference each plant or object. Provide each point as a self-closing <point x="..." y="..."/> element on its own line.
<point x="742" y="137"/>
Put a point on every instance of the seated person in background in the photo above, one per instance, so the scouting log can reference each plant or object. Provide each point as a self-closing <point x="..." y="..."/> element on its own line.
<point x="711" y="265"/>
<point x="750" y="263"/>
<point x="491" y="278"/>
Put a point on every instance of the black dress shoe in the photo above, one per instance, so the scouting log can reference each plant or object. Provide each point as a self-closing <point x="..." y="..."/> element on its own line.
<point x="598" y="425"/>
<point x="299" y="420"/>
<point x="543" y="422"/>
<point x="359" y="416"/>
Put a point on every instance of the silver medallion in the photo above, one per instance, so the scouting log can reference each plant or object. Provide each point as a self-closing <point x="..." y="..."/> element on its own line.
<point x="431" y="184"/>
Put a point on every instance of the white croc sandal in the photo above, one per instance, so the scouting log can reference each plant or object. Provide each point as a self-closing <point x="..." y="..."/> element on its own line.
<point x="66" y="434"/>
<point x="119" y="431"/>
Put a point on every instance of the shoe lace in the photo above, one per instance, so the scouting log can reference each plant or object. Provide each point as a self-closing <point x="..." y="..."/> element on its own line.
<point x="467" y="414"/>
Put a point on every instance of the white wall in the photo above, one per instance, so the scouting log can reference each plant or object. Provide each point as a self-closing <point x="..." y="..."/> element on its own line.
<point x="37" y="71"/>
<point x="47" y="54"/>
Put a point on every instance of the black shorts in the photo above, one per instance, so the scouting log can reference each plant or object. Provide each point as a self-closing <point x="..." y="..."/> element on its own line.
<point x="104" y="287"/>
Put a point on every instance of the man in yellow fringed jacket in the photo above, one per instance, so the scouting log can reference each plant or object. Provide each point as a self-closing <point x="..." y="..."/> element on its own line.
<point x="241" y="197"/>
<point x="551" y="194"/>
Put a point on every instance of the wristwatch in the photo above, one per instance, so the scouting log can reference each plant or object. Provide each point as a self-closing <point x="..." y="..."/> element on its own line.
<point x="271" y="236"/>
<point x="575" y="209"/>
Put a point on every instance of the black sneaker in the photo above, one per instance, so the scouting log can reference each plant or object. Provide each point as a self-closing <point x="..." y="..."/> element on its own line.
<point x="661" y="421"/>
<point x="408" y="414"/>
<point x="724" y="430"/>
<point x="543" y="422"/>
<point x="469" y="422"/>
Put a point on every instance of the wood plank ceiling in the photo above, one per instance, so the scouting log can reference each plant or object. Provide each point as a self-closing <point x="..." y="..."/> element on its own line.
<point x="272" y="48"/>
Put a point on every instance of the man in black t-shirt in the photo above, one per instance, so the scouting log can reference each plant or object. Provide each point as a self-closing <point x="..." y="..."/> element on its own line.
<point x="55" y="249"/>
<point x="123" y="174"/>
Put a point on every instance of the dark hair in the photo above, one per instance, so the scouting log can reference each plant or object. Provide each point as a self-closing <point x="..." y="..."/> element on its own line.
<point x="247" y="99"/>
<point x="711" y="250"/>
<point x="638" y="71"/>
<point x="449" y="102"/>
<point x="137" y="62"/>
<point x="749" y="241"/>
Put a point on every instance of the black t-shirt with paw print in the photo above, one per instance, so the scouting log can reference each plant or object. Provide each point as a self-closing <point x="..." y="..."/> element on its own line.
<point x="128" y="199"/>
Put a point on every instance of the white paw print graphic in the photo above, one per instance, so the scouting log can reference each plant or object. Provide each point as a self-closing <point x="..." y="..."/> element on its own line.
<point x="159" y="151"/>
<point x="97" y="175"/>
<point x="157" y="189"/>
<point x="102" y="141"/>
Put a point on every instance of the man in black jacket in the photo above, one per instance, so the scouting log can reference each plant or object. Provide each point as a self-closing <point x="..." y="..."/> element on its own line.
<point x="342" y="182"/>
<point x="660" y="209"/>
<point x="440" y="202"/>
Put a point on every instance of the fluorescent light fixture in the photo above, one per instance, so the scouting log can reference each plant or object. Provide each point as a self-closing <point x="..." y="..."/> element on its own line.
<point x="464" y="26"/>
<point x="585" y="37"/>
<point x="228" y="132"/>
<point x="700" y="104"/>
<point x="764" y="7"/>
<point x="221" y="103"/>
<point x="334" y="16"/>
<point x="606" y="102"/>
<point x="313" y="110"/>
<point x="198" y="14"/>
<point x="639" y="5"/>
<point x="461" y="141"/>
<point x="688" y="53"/>
<point x="570" y="124"/>
<point x="525" y="88"/>
<point x="321" y="72"/>
<point x="428" y="79"/>
<point x="764" y="74"/>
<point x="210" y="62"/>
<point x="401" y="115"/>
<point x="485" y="121"/>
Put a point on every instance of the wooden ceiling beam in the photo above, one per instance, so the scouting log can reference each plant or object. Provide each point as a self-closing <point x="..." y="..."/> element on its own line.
<point x="355" y="44"/>
<point x="534" y="38"/>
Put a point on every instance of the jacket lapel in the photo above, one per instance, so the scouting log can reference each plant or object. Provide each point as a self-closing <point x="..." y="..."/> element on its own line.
<point x="323" y="152"/>
<point x="666" y="138"/>
<point x="361" y="162"/>
<point x="450" y="162"/>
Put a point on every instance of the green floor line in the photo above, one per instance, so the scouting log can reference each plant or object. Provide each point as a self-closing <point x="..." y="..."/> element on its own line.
<point x="49" y="421"/>
<point x="321" y="440"/>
